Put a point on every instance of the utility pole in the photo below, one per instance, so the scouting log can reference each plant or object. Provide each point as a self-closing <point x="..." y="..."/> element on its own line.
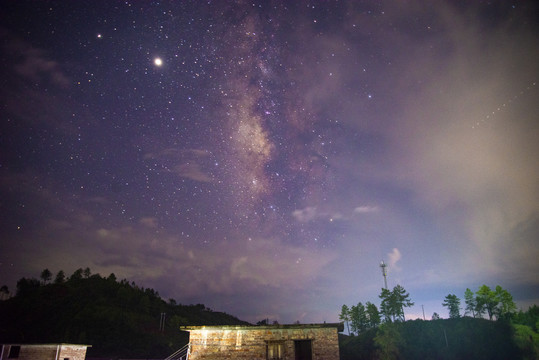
<point x="162" y="322"/>
<point x="384" y="272"/>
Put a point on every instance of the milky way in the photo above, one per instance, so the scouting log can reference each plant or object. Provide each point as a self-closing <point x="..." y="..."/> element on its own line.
<point x="263" y="157"/>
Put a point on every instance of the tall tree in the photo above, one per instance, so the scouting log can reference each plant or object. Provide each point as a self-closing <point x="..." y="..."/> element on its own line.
<point x="77" y="275"/>
<point x="386" y="304"/>
<point x="506" y="306"/>
<point x="486" y="300"/>
<point x="46" y="276"/>
<point x="471" y="303"/>
<point x="373" y="316"/>
<point x="402" y="300"/>
<point x="345" y="316"/>
<point x="452" y="302"/>
<point x="394" y="302"/>
<point x="358" y="318"/>
<point x="60" y="277"/>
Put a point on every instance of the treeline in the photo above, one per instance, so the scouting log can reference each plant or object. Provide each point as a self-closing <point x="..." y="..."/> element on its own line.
<point x="443" y="339"/>
<point x="359" y="318"/>
<point x="385" y="334"/>
<point x="118" y="318"/>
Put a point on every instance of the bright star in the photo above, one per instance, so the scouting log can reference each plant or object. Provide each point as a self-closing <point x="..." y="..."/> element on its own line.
<point x="158" y="62"/>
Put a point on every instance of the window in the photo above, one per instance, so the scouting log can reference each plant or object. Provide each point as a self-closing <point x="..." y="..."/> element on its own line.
<point x="303" y="350"/>
<point x="14" y="351"/>
<point x="275" y="350"/>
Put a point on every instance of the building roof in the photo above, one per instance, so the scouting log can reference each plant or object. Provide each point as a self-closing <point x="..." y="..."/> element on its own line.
<point x="47" y="344"/>
<point x="339" y="326"/>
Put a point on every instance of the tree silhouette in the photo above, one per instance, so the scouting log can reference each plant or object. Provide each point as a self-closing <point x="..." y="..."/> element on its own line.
<point x="471" y="303"/>
<point x="358" y="318"/>
<point x="486" y="300"/>
<point x="60" y="277"/>
<point x="393" y="303"/>
<point x="452" y="302"/>
<point x="373" y="315"/>
<point x="506" y="306"/>
<point x="345" y="316"/>
<point x="46" y="276"/>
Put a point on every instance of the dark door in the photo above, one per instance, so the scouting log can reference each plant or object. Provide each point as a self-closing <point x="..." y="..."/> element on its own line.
<point x="303" y="350"/>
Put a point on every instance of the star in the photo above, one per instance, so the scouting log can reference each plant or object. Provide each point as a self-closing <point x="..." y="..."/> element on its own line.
<point x="158" y="62"/>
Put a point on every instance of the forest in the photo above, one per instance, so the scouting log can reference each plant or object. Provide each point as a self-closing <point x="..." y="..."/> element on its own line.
<point x="123" y="320"/>
<point x="118" y="318"/>
<point x="490" y="328"/>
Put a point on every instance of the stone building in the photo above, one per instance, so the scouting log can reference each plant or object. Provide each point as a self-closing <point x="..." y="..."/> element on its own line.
<point x="43" y="351"/>
<point x="267" y="342"/>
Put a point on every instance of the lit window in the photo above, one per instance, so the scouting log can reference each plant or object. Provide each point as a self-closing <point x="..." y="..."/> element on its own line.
<point x="275" y="350"/>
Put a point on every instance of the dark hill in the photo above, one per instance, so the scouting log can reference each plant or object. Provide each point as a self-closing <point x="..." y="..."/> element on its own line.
<point x="116" y="318"/>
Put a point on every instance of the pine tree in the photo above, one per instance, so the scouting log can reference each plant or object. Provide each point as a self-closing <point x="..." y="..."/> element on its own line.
<point x="373" y="315"/>
<point x="345" y="316"/>
<point x="452" y="302"/>
<point x="471" y="303"/>
<point x="393" y="303"/>
<point x="46" y="276"/>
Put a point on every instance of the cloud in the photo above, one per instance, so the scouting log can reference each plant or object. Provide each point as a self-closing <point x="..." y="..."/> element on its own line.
<point x="224" y="274"/>
<point x="311" y="213"/>
<point x="32" y="63"/>
<point x="306" y="214"/>
<point x="365" y="209"/>
<point x="187" y="163"/>
<point x="488" y="172"/>
<point x="192" y="171"/>
<point x="36" y="67"/>
<point x="462" y="150"/>
<point x="150" y="222"/>
<point x="394" y="257"/>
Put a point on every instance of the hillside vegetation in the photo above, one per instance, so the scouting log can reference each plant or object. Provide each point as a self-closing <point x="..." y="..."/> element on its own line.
<point x="384" y="333"/>
<point x="443" y="339"/>
<point x="118" y="318"/>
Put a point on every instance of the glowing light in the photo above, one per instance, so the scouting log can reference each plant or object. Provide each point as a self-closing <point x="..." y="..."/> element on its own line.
<point x="158" y="62"/>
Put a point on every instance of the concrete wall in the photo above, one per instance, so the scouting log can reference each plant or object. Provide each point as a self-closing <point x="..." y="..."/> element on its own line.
<point x="229" y="342"/>
<point x="46" y="352"/>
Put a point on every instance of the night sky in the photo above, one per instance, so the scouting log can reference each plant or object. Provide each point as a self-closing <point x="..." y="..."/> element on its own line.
<point x="263" y="157"/>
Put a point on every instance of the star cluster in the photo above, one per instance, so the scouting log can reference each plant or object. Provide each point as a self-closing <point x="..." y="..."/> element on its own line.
<point x="250" y="155"/>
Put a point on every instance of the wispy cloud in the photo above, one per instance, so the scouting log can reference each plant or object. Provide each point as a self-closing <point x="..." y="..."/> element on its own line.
<point x="306" y="214"/>
<point x="187" y="163"/>
<point x="394" y="257"/>
<point x="150" y="222"/>
<point x="192" y="171"/>
<point x="33" y="64"/>
<point x="365" y="209"/>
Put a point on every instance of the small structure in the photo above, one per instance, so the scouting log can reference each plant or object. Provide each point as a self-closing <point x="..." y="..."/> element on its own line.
<point x="266" y="342"/>
<point x="43" y="351"/>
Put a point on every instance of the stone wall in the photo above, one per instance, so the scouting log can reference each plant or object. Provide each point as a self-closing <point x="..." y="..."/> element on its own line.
<point x="252" y="342"/>
<point x="44" y="351"/>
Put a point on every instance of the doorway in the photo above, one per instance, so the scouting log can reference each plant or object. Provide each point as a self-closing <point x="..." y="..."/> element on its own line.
<point x="303" y="350"/>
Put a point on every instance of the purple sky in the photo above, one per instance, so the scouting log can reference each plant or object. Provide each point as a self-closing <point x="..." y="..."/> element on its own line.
<point x="278" y="152"/>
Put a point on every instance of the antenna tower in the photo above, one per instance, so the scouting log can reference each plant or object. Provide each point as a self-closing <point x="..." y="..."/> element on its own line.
<point x="384" y="272"/>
